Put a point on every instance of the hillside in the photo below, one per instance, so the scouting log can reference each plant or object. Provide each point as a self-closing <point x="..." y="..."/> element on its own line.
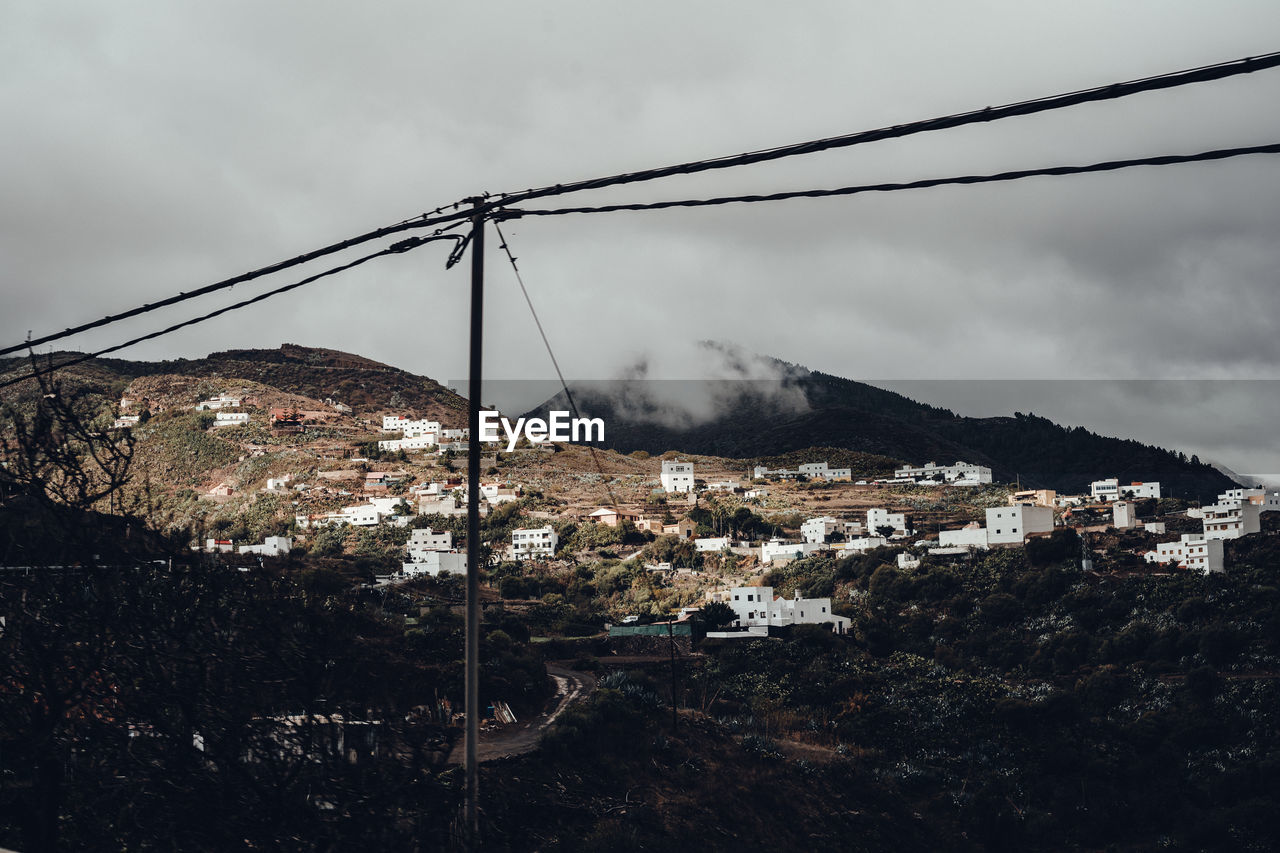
<point x="753" y="418"/>
<point x="367" y="386"/>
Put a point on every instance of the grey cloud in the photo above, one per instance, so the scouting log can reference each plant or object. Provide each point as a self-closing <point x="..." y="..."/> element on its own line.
<point x="153" y="147"/>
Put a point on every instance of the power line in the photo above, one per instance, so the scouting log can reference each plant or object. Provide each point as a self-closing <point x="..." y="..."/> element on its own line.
<point x="397" y="248"/>
<point x="613" y="500"/>
<point x="1112" y="91"/>
<point x="213" y="288"/>
<point x="514" y="213"/>
<point x="1108" y="166"/>
<point x="459" y="214"/>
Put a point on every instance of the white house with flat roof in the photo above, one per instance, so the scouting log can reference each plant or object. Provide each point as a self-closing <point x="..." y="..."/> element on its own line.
<point x="1113" y="490"/>
<point x="435" y="563"/>
<point x="857" y="544"/>
<point x="425" y="539"/>
<point x="820" y="471"/>
<point x="1123" y="516"/>
<point x="816" y="530"/>
<point x="757" y="607"/>
<point x="959" y="474"/>
<point x="222" y="401"/>
<point x="531" y="543"/>
<point x="781" y="549"/>
<point x="418" y="442"/>
<point x="230" y="418"/>
<point x="1011" y="524"/>
<point x="272" y="546"/>
<point x="1231" y="519"/>
<point x="878" y="518"/>
<point x="677" y="476"/>
<point x="1190" y="552"/>
<point x="972" y="535"/>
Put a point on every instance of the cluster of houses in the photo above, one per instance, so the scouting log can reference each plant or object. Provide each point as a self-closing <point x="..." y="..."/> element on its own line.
<point x="932" y="474"/>
<point x="422" y="435"/>
<point x="447" y="497"/>
<point x="1237" y="513"/>
<point x="272" y="546"/>
<point x="757" y="610"/>
<point x="613" y="516"/>
<point x="807" y="471"/>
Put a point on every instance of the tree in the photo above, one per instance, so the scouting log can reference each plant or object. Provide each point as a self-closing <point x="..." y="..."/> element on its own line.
<point x="53" y="453"/>
<point x="717" y="615"/>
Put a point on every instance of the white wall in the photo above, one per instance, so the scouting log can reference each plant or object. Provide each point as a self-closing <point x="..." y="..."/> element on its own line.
<point x="965" y="537"/>
<point x="1011" y="524"/>
<point x="677" y="476"/>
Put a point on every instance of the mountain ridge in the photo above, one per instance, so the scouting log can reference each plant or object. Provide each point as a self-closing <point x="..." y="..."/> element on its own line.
<point x="801" y="408"/>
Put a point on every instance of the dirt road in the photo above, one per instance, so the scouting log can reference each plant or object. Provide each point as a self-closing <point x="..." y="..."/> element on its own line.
<point x="522" y="737"/>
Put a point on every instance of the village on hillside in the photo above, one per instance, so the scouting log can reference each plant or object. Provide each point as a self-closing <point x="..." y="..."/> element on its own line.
<point x="698" y="524"/>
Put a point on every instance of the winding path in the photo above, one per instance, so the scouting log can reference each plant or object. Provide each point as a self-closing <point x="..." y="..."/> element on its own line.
<point x="520" y="738"/>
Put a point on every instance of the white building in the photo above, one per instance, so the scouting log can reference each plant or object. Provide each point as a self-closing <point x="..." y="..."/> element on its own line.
<point x="711" y="543"/>
<point x="1123" y="516"/>
<point x="374" y="511"/>
<point x="677" y="476"/>
<point x="445" y="505"/>
<point x="1190" y="552"/>
<point x="230" y="418"/>
<point x="971" y="535"/>
<point x="811" y="470"/>
<point x="418" y="442"/>
<point x="959" y="474"/>
<point x="1111" y="490"/>
<point x="425" y="539"/>
<point x="816" y="530"/>
<point x="1268" y="502"/>
<point x="272" y="546"/>
<point x="532" y="543"/>
<point x="496" y="493"/>
<point x="878" y="518"/>
<point x="908" y="561"/>
<point x="126" y="421"/>
<point x="1231" y="519"/>
<point x="1011" y="524"/>
<point x="279" y="484"/>
<point x="756" y="607"/>
<point x="781" y="549"/>
<point x="222" y="401"/>
<point x="820" y="471"/>
<point x="858" y="544"/>
<point x="435" y="563"/>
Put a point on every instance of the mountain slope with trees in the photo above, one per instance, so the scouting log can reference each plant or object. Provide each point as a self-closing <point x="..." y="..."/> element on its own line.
<point x="802" y="408"/>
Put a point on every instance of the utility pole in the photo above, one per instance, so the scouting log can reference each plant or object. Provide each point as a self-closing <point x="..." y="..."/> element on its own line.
<point x="671" y="635"/>
<point x="473" y="531"/>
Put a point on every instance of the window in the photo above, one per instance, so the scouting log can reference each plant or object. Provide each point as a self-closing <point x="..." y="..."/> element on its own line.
<point x="750" y="598"/>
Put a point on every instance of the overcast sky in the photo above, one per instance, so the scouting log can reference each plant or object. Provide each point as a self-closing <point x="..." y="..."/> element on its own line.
<point x="151" y="147"/>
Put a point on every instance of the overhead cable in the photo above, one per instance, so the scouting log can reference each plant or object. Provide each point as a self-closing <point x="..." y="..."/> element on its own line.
<point x="1108" y="166"/>
<point x="460" y="212"/>
<point x="395" y="249"/>
<point x="613" y="500"/>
